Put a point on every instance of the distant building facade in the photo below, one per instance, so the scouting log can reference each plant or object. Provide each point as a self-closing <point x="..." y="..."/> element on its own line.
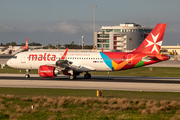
<point x="126" y="36"/>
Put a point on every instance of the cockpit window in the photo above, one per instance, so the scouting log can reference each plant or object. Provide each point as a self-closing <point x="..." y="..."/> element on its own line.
<point x="14" y="57"/>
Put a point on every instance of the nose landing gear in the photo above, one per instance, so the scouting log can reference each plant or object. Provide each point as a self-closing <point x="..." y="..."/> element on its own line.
<point x="27" y="73"/>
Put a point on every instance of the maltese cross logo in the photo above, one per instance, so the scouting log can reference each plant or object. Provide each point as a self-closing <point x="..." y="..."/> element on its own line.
<point x="155" y="44"/>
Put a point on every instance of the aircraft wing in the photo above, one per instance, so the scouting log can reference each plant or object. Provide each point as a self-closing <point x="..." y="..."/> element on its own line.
<point x="82" y="68"/>
<point x="6" y="51"/>
<point x="68" y="65"/>
<point x="17" y="51"/>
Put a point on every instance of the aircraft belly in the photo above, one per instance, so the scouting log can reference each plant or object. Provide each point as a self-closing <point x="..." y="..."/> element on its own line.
<point x="99" y="66"/>
<point x="31" y="65"/>
<point x="36" y="64"/>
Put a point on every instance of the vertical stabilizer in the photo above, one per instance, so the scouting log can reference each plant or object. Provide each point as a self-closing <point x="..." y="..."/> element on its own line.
<point x="152" y="43"/>
<point x="26" y="46"/>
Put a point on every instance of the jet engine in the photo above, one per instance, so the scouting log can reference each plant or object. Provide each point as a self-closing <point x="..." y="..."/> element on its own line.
<point x="47" y="71"/>
<point x="10" y="51"/>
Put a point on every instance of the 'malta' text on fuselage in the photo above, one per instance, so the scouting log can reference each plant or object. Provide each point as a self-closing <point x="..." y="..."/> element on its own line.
<point x="41" y="57"/>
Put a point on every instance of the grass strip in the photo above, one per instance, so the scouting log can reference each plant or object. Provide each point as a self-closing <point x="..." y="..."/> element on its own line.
<point x="17" y="104"/>
<point x="22" y="92"/>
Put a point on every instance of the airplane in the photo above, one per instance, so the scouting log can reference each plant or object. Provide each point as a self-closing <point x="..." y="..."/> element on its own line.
<point x="16" y="49"/>
<point x="51" y="63"/>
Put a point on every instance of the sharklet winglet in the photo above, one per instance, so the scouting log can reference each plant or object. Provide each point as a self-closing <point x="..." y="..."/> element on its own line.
<point x="64" y="55"/>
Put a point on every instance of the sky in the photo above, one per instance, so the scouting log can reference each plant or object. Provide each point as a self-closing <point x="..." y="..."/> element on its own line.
<point x="46" y="21"/>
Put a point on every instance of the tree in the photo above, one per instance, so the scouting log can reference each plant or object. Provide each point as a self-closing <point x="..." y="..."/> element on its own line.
<point x="8" y="44"/>
<point x="34" y="44"/>
<point x="58" y="46"/>
<point x="49" y="46"/>
<point x="72" y="43"/>
<point x="22" y="44"/>
<point x="13" y="44"/>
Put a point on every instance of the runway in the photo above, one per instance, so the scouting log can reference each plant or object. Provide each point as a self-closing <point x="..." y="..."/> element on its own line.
<point x="96" y="82"/>
<point x="4" y="58"/>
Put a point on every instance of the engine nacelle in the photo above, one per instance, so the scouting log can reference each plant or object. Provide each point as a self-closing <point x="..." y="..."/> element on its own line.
<point x="10" y="51"/>
<point x="47" y="71"/>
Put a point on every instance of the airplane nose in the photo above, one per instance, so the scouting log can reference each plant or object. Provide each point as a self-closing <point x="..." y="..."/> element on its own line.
<point x="9" y="62"/>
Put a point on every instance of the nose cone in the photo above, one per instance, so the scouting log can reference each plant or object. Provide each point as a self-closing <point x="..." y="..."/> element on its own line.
<point x="9" y="63"/>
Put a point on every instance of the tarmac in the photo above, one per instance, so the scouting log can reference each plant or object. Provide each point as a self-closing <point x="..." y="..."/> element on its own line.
<point x="127" y="83"/>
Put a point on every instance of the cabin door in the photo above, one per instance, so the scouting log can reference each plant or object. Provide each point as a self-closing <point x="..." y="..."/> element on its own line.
<point x="23" y="58"/>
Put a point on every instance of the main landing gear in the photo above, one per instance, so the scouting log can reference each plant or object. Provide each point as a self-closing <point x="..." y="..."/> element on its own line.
<point x="72" y="77"/>
<point x="27" y="73"/>
<point x="87" y="75"/>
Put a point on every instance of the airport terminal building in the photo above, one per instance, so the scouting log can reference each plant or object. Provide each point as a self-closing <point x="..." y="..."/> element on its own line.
<point x="126" y="36"/>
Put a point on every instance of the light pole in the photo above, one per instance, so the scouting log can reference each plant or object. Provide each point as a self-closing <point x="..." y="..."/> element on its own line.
<point x="82" y="41"/>
<point x="94" y="6"/>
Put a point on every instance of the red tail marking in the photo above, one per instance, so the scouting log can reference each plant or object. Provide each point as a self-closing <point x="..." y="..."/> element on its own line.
<point x="64" y="55"/>
<point x="153" y="42"/>
<point x="26" y="46"/>
<point x="27" y="42"/>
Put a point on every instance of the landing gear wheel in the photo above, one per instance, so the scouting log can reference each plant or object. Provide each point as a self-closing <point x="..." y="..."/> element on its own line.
<point x="87" y="76"/>
<point x="27" y="73"/>
<point x="72" y="77"/>
<point x="27" y="76"/>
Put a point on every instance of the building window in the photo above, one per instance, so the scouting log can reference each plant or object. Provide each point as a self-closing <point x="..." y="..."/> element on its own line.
<point x="117" y="30"/>
<point x="109" y="30"/>
<point x="105" y="41"/>
<point x="104" y="36"/>
<point x="105" y="46"/>
<point x="99" y="45"/>
<point x="99" y="40"/>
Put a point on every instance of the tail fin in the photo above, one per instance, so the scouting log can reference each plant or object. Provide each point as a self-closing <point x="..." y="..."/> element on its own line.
<point x="26" y="43"/>
<point x="152" y="43"/>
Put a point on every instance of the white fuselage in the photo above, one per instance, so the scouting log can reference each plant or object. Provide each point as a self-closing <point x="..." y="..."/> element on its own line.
<point x="34" y="59"/>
